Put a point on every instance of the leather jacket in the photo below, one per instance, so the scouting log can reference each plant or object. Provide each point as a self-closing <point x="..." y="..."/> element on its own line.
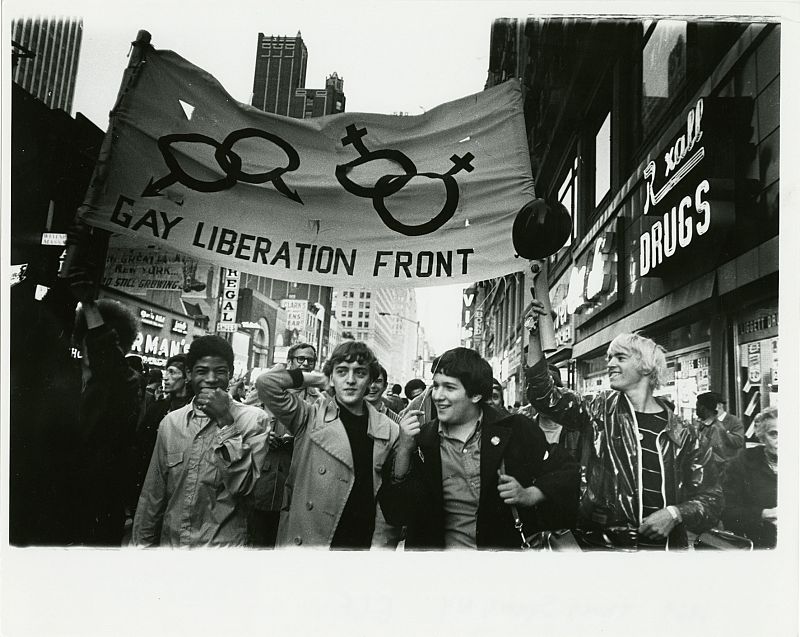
<point x="611" y="495"/>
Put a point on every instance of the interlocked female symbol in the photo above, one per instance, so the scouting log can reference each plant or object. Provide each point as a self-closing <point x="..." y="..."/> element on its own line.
<point x="389" y="185"/>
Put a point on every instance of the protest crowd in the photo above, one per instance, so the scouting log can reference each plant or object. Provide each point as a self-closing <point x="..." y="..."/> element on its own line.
<point x="126" y="435"/>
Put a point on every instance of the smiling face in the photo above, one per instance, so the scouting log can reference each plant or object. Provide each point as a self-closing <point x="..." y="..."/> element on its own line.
<point x="453" y="405"/>
<point x="210" y="372"/>
<point x="375" y="390"/>
<point x="350" y="382"/>
<point x="623" y="370"/>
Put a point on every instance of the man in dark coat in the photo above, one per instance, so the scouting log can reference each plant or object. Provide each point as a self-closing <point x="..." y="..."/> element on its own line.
<point x="458" y="479"/>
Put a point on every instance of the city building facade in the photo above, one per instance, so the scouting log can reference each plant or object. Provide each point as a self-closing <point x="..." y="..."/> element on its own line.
<point x="385" y="319"/>
<point x="661" y="138"/>
<point x="45" y="55"/>
<point x="280" y="70"/>
<point x="316" y="102"/>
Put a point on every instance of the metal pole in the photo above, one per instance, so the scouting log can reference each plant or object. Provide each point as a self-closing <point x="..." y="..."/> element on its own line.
<point x="137" y="56"/>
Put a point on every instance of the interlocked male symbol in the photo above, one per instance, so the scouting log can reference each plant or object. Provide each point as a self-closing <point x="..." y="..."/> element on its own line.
<point x="389" y="185"/>
<point x="229" y="161"/>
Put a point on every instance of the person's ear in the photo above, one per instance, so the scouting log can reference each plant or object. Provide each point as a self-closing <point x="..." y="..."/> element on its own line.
<point x="477" y="398"/>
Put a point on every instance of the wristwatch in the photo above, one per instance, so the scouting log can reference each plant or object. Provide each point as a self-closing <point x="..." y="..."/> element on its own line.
<point x="531" y="323"/>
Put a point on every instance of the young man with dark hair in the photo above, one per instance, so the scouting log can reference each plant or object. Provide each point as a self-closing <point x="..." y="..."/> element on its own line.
<point x="649" y="476"/>
<point x="375" y="394"/>
<point x="341" y="445"/>
<point x="456" y="479"/>
<point x="414" y="388"/>
<point x="207" y="457"/>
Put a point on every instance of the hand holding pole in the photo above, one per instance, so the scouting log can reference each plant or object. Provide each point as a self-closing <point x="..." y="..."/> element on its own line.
<point x="541" y="291"/>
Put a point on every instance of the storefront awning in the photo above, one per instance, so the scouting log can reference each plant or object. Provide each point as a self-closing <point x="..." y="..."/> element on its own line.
<point x="692" y="293"/>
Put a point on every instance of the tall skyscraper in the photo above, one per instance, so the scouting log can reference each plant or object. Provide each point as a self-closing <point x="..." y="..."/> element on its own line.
<point x="298" y="311"/>
<point x="279" y="84"/>
<point x="280" y="71"/>
<point x="45" y="58"/>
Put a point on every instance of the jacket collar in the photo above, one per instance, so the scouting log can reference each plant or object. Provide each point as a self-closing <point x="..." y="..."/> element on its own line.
<point x="495" y="433"/>
<point x="675" y="428"/>
<point x="328" y="432"/>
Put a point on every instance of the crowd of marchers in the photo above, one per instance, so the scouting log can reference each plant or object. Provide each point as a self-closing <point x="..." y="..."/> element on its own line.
<point x="308" y="457"/>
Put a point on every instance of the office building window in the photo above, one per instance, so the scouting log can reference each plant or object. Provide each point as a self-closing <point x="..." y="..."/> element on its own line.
<point x="602" y="161"/>
<point x="663" y="69"/>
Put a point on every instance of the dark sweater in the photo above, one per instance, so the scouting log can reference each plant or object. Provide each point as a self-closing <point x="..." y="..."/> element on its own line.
<point x="750" y="486"/>
<point x="355" y="527"/>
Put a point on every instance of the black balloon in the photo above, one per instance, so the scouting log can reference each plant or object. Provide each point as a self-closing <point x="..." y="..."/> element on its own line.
<point x="540" y="229"/>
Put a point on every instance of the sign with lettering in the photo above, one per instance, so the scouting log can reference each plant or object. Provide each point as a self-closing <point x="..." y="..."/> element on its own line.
<point x="230" y="301"/>
<point x="180" y="327"/>
<point x="136" y="270"/>
<point x="148" y="317"/>
<point x="155" y="349"/>
<point x="688" y="190"/>
<point x="341" y="200"/>
<point x="594" y="279"/>
<point x="296" y="310"/>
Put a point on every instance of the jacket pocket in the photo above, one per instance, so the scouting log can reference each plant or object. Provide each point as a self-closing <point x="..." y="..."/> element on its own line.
<point x="174" y="458"/>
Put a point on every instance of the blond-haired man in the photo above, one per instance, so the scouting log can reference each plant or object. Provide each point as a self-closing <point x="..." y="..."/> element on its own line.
<point x="649" y="477"/>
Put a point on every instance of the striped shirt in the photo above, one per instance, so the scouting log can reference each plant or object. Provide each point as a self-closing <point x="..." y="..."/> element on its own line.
<point x="650" y="425"/>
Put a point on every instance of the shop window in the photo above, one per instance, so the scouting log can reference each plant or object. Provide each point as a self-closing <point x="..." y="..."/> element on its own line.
<point x="663" y="70"/>
<point x="602" y="160"/>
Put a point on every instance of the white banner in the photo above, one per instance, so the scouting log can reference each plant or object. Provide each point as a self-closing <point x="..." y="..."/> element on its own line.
<point x="347" y="199"/>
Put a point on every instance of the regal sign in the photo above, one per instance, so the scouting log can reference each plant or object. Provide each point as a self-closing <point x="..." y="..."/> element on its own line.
<point x="687" y="188"/>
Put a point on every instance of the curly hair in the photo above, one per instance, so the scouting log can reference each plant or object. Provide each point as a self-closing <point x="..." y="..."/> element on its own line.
<point x="116" y="316"/>
<point x="351" y="352"/>
<point x="760" y="421"/>
<point x="210" y="345"/>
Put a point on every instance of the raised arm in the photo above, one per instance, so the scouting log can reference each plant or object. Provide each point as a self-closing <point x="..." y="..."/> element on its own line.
<point x="273" y="390"/>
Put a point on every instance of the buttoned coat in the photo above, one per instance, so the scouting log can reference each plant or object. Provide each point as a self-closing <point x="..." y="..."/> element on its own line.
<point x="321" y="475"/>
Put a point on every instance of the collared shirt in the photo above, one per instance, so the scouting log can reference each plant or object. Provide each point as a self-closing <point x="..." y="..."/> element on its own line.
<point x="198" y="478"/>
<point x="721" y="415"/>
<point x="461" y="487"/>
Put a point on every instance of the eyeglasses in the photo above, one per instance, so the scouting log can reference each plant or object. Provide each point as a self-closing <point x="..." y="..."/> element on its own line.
<point x="302" y="360"/>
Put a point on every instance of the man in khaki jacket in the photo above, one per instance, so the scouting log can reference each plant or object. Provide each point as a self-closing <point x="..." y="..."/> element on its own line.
<point x="341" y="445"/>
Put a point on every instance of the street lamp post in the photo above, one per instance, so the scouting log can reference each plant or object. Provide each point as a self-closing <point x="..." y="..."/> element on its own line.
<point x="416" y="324"/>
